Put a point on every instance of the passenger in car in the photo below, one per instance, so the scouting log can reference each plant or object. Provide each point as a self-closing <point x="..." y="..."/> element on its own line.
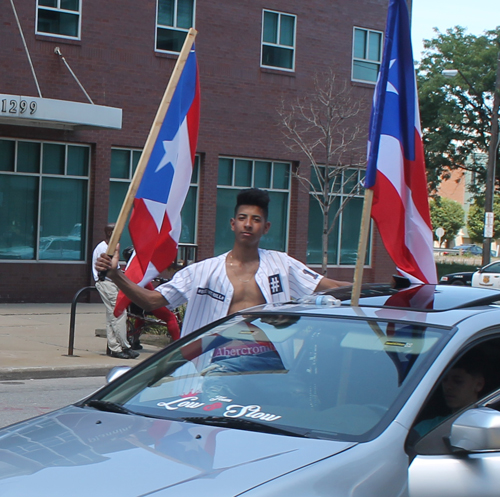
<point x="244" y="277"/>
<point x="462" y="386"/>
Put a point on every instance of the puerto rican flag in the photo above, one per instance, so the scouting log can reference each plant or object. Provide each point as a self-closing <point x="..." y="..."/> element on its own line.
<point x="396" y="167"/>
<point x="155" y="223"/>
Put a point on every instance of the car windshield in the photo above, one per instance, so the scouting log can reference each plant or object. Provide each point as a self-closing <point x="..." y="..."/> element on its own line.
<point x="313" y="376"/>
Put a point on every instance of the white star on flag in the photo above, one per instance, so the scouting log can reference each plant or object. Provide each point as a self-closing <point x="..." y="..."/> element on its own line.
<point x="171" y="148"/>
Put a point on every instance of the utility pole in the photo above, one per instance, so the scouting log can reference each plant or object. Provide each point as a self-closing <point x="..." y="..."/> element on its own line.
<point x="491" y="172"/>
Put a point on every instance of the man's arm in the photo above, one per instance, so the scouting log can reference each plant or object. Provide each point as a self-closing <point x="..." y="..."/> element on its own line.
<point x="327" y="283"/>
<point x="147" y="299"/>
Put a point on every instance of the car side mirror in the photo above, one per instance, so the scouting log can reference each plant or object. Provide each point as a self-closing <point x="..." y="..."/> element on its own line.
<point x="476" y="430"/>
<point x="116" y="372"/>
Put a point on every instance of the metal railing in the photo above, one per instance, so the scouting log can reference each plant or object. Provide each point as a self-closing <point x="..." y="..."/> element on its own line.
<point x="73" y="317"/>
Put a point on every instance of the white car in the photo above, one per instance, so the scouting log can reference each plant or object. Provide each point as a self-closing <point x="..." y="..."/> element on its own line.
<point x="487" y="277"/>
<point x="311" y="398"/>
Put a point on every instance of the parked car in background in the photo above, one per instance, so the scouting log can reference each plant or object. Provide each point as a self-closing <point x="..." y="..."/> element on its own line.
<point x="468" y="249"/>
<point x="463" y="278"/>
<point x="309" y="398"/>
<point x="488" y="276"/>
<point x="63" y="248"/>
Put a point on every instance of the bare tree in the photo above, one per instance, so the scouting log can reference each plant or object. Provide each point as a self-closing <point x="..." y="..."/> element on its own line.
<point x="324" y="126"/>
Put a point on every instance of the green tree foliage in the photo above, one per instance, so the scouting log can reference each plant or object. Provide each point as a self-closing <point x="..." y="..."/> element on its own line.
<point x="475" y="219"/>
<point x="456" y="113"/>
<point x="446" y="214"/>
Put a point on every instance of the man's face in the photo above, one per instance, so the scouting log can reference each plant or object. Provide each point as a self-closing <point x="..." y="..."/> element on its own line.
<point x="249" y="224"/>
<point x="461" y="388"/>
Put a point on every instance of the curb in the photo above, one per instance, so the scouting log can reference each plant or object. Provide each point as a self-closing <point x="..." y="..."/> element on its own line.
<point x="47" y="372"/>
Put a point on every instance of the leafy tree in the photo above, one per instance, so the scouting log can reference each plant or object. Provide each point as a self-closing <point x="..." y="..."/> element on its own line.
<point x="323" y="125"/>
<point x="456" y="113"/>
<point x="475" y="219"/>
<point x="446" y="214"/>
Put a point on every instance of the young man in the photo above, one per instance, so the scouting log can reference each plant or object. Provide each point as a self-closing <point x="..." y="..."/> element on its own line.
<point x="461" y="386"/>
<point x="243" y="277"/>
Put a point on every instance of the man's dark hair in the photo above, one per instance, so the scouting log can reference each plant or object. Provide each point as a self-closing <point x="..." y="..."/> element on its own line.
<point x="253" y="196"/>
<point x="473" y="362"/>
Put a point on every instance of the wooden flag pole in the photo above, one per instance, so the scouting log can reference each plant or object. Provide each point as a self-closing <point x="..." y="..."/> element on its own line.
<point x="150" y="142"/>
<point x="363" y="242"/>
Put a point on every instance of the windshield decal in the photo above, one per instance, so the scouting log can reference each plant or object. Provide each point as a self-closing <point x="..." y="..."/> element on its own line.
<point x="232" y="411"/>
<point x="253" y="411"/>
<point x="220" y="398"/>
<point x="186" y="402"/>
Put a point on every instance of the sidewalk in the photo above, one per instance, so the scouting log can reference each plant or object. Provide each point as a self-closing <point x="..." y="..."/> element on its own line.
<point x="34" y="341"/>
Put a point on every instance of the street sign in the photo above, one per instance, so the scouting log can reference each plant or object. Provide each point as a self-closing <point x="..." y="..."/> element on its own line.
<point x="439" y="233"/>
<point x="488" y="224"/>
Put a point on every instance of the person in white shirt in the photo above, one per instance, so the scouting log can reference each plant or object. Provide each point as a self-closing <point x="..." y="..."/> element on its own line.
<point x="241" y="278"/>
<point x="116" y="328"/>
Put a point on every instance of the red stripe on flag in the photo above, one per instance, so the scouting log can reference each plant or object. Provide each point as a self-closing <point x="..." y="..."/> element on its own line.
<point x="144" y="232"/>
<point x="193" y="120"/>
<point x="393" y="227"/>
<point x="416" y="180"/>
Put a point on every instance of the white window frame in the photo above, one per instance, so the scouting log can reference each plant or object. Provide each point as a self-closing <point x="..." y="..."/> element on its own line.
<point x="174" y="28"/>
<point x="40" y="174"/>
<point x="379" y="62"/>
<point x="64" y="11"/>
<point x="287" y="190"/>
<point x="278" y="45"/>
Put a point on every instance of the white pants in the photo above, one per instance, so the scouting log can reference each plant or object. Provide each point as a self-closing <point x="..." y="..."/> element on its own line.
<point x="116" y="328"/>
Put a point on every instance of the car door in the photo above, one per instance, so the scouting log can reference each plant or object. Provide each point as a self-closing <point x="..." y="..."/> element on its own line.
<point x="440" y="466"/>
<point x="455" y="474"/>
<point x="487" y="277"/>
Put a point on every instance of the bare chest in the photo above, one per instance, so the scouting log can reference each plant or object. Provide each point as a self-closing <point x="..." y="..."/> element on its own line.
<point x="246" y="292"/>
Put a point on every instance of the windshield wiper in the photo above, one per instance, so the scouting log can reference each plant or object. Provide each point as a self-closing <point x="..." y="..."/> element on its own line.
<point x="104" y="405"/>
<point x="244" y="424"/>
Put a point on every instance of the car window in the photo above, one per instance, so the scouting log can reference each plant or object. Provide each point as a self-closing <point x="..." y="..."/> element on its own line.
<point x="471" y="377"/>
<point x="323" y="376"/>
<point x="494" y="268"/>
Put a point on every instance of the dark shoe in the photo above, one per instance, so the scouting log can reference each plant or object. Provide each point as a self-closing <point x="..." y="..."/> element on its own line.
<point x="136" y="345"/>
<point x="120" y="355"/>
<point x="108" y="350"/>
<point x="132" y="354"/>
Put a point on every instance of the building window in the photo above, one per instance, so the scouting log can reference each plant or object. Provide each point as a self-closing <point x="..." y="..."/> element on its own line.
<point x="238" y="174"/>
<point x="59" y="18"/>
<point x="367" y="55"/>
<point x="43" y="200"/>
<point x="174" y="18"/>
<point x="343" y="239"/>
<point x="278" y="40"/>
<point x="123" y="165"/>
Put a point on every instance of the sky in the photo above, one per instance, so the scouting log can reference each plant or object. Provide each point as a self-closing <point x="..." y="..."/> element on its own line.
<point x="475" y="15"/>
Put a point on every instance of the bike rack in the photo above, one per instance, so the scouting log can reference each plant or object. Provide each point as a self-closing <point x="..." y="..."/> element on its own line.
<point x="73" y="317"/>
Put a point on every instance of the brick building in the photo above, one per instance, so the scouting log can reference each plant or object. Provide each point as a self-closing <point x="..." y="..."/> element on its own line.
<point x="80" y="86"/>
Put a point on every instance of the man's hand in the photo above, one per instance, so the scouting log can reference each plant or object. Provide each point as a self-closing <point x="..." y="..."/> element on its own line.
<point x="147" y="299"/>
<point x="108" y="264"/>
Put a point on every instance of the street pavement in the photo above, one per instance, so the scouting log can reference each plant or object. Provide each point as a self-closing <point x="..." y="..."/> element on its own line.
<point x="34" y="342"/>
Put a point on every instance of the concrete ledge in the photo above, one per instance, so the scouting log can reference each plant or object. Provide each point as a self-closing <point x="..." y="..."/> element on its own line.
<point x="157" y="340"/>
<point x="40" y="373"/>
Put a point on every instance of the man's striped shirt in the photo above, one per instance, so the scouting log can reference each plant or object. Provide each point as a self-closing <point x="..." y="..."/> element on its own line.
<point x="206" y="288"/>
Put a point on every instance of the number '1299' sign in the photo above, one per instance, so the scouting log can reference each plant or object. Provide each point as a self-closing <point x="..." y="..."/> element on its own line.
<point x="17" y="106"/>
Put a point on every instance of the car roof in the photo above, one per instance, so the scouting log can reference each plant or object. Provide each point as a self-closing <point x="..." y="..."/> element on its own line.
<point x="428" y="298"/>
<point x="441" y="305"/>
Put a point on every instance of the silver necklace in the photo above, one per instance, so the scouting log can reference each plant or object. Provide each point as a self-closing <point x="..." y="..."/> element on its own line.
<point x="232" y="266"/>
